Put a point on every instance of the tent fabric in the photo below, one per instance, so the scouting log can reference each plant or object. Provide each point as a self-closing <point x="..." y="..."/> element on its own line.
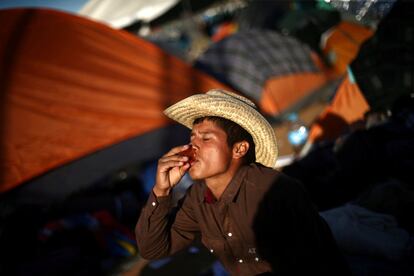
<point x="119" y="14"/>
<point x="347" y="107"/>
<point x="341" y="44"/>
<point x="250" y="60"/>
<point x="125" y="158"/>
<point x="70" y="86"/>
<point x="223" y="30"/>
<point x="282" y="92"/>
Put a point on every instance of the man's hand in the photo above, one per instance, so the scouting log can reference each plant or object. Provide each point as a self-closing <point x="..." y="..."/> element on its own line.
<point x="171" y="168"/>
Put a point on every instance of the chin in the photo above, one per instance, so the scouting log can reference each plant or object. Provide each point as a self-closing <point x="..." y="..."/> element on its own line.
<point x="194" y="174"/>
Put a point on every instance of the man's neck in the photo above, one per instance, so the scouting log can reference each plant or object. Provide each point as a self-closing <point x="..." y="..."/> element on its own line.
<point x="218" y="184"/>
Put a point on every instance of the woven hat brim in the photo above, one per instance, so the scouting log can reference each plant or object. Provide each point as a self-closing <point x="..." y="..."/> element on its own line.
<point x="201" y="105"/>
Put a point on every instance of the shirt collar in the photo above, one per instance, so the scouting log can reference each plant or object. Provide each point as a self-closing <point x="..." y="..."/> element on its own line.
<point x="208" y="196"/>
<point x="229" y="193"/>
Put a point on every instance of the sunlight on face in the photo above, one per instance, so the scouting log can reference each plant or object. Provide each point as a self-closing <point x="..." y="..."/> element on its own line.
<point x="213" y="155"/>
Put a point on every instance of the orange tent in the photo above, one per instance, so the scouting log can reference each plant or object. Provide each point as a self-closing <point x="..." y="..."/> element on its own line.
<point x="341" y="44"/>
<point x="348" y="107"/>
<point x="71" y="87"/>
<point x="273" y="70"/>
<point x="282" y="92"/>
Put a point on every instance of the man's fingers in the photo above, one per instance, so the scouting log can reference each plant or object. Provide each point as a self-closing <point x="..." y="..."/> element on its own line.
<point x="175" y="157"/>
<point x="167" y="165"/>
<point x="176" y="150"/>
<point x="172" y="167"/>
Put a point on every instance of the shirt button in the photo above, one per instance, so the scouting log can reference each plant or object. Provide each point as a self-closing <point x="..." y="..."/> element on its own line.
<point x="229" y="234"/>
<point x="256" y="259"/>
<point x="153" y="203"/>
<point x="240" y="260"/>
<point x="211" y="250"/>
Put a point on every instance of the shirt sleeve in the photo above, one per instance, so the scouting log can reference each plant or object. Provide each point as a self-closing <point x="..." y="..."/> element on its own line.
<point x="162" y="230"/>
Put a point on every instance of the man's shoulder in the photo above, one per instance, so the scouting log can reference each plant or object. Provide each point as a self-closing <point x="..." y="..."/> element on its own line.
<point x="258" y="176"/>
<point x="257" y="169"/>
<point x="262" y="176"/>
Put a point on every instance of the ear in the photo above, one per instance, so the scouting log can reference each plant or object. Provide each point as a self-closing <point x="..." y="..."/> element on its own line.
<point x="240" y="149"/>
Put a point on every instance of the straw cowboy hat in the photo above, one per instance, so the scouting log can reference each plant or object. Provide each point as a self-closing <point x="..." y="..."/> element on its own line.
<point x="235" y="108"/>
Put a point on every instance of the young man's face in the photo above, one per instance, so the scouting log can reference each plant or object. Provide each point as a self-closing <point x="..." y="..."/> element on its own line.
<point x="213" y="155"/>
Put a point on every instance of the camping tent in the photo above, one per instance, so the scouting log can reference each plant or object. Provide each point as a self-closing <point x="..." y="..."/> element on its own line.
<point x="347" y="107"/>
<point x="73" y="89"/>
<point x="274" y="70"/>
<point x="340" y="44"/>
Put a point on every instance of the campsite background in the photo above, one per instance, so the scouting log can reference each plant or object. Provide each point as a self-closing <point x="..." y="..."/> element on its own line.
<point x="83" y="85"/>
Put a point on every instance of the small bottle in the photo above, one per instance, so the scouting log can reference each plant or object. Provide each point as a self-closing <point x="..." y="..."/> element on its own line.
<point x="297" y="132"/>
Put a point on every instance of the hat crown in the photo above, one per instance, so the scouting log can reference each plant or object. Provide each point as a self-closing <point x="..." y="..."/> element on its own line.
<point x="233" y="107"/>
<point x="231" y="95"/>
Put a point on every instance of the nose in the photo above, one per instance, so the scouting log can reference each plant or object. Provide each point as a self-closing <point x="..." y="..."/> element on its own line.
<point x="194" y="143"/>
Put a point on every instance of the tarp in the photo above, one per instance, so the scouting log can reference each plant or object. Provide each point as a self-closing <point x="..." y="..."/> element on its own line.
<point x="346" y="108"/>
<point x="380" y="75"/>
<point x="70" y="87"/>
<point x="340" y="44"/>
<point x="119" y="14"/>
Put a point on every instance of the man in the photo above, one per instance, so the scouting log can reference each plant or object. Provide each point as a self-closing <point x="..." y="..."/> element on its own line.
<point x="235" y="151"/>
